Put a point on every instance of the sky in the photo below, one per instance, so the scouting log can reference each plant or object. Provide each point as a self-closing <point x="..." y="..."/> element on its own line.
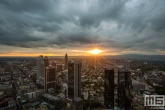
<point x="56" y="27"/>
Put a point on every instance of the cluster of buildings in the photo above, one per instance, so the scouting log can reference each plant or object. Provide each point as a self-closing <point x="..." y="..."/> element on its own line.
<point x="47" y="73"/>
<point x="122" y="89"/>
<point x="7" y="101"/>
<point x="148" y="83"/>
<point x="49" y="84"/>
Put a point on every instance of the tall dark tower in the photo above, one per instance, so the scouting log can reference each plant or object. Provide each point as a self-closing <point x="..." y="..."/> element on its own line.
<point x="124" y="83"/>
<point x="74" y="79"/>
<point x="46" y="61"/>
<point x="109" y="88"/>
<point x="66" y="61"/>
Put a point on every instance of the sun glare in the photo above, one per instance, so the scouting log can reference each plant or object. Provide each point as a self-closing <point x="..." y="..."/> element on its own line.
<point x="95" y="51"/>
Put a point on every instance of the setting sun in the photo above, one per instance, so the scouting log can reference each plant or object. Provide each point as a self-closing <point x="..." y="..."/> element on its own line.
<point x="95" y="51"/>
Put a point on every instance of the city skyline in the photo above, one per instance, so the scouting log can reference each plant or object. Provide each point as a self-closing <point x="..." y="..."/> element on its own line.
<point x="53" y="28"/>
<point x="81" y="83"/>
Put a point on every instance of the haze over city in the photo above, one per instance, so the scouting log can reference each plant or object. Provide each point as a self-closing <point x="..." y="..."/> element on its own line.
<point x="56" y="27"/>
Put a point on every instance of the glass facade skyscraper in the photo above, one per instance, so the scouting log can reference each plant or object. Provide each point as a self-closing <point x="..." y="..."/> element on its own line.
<point x="109" y="88"/>
<point x="124" y="89"/>
<point x="74" y="78"/>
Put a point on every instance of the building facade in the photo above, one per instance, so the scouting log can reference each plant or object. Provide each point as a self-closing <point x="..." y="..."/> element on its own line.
<point x="109" y="88"/>
<point x="50" y="77"/>
<point x="74" y="79"/>
<point x="124" y="85"/>
<point x="40" y="68"/>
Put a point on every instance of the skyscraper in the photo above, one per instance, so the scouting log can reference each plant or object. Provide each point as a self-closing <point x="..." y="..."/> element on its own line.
<point x="40" y="68"/>
<point x="66" y="61"/>
<point x="109" y="88"/>
<point x="124" y="89"/>
<point x="46" y="61"/>
<point x="74" y="79"/>
<point x="50" y="77"/>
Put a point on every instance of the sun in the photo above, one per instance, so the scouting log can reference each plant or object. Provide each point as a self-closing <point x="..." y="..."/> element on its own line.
<point x="95" y="51"/>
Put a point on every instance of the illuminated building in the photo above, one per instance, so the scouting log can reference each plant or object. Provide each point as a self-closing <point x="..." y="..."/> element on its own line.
<point x="50" y="77"/>
<point x="66" y="61"/>
<point x="74" y="79"/>
<point x="109" y="88"/>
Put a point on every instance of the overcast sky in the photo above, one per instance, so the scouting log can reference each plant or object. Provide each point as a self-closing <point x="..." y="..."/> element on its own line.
<point x="54" y="27"/>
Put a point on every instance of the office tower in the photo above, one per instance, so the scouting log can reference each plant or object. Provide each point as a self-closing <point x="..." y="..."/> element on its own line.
<point x="50" y="77"/>
<point x="46" y="61"/>
<point x="124" y="83"/>
<point x="109" y="88"/>
<point x="66" y="61"/>
<point x="74" y="79"/>
<point x="40" y="68"/>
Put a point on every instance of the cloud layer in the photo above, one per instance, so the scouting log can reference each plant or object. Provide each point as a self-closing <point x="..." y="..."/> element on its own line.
<point x="120" y="25"/>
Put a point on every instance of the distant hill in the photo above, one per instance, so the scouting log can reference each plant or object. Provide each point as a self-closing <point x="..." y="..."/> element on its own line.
<point x="138" y="56"/>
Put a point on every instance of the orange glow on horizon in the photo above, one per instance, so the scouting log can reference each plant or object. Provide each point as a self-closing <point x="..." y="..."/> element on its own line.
<point x="37" y="54"/>
<point x="95" y="51"/>
<point x="84" y="52"/>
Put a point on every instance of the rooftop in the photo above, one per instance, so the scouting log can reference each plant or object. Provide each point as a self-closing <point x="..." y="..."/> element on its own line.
<point x="51" y="97"/>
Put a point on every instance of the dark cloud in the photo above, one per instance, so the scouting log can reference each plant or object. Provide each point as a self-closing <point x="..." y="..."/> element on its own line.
<point x="120" y="24"/>
<point x="37" y="6"/>
<point x="102" y="10"/>
<point x="74" y="39"/>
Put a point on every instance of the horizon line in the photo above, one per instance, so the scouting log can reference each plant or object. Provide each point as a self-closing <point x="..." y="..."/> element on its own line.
<point x="86" y="55"/>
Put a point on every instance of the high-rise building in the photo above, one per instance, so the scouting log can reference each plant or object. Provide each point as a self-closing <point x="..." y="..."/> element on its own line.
<point x="50" y="77"/>
<point x="124" y="84"/>
<point x="74" y="79"/>
<point x="40" y="68"/>
<point x="66" y="61"/>
<point x="109" y="88"/>
<point x="46" y="61"/>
